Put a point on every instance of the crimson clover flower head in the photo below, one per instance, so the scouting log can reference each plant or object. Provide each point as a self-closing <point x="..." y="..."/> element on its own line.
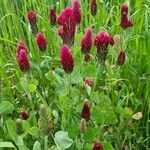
<point x="67" y="21"/>
<point x="86" y="42"/>
<point x="53" y="16"/>
<point x="41" y="41"/>
<point x="121" y="57"/>
<point x="126" y="22"/>
<point x="67" y="60"/>
<point x="23" y="60"/>
<point x="24" y="115"/>
<point x="93" y="7"/>
<point x="85" y="111"/>
<point x="102" y="40"/>
<point x="20" y="45"/>
<point x="32" y="16"/>
<point x="77" y="11"/>
<point x="97" y="146"/>
<point x="124" y="9"/>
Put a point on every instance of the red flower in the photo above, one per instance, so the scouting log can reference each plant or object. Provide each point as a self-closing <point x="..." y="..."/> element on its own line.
<point x="86" y="42"/>
<point x="24" y="115"/>
<point x="93" y="7"/>
<point x="126" y="22"/>
<point x="97" y="146"/>
<point x="67" y="59"/>
<point x="23" y="61"/>
<point x="20" y="45"/>
<point x="89" y="81"/>
<point x="67" y="21"/>
<point x="53" y="16"/>
<point x="77" y="11"/>
<point x="86" y="111"/>
<point x="32" y="16"/>
<point x="102" y="40"/>
<point x="41" y="41"/>
<point x="121" y="58"/>
<point x="124" y="9"/>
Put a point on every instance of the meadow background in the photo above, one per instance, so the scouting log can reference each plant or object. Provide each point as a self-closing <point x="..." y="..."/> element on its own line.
<point x="47" y="83"/>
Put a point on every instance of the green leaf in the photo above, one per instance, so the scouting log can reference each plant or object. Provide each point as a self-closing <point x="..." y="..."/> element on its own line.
<point x="11" y="129"/>
<point x="62" y="140"/>
<point x="37" y="146"/>
<point x="32" y="88"/>
<point x="33" y="130"/>
<point x="73" y="131"/>
<point x="7" y="144"/>
<point x="108" y="146"/>
<point x="89" y="71"/>
<point x="89" y="134"/>
<point x="6" y="107"/>
<point x="50" y="76"/>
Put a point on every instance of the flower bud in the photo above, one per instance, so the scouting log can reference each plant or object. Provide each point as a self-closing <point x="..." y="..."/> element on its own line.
<point x="41" y="41"/>
<point x="97" y="146"/>
<point x="93" y="7"/>
<point x="83" y="126"/>
<point x="24" y="115"/>
<point x="86" y="111"/>
<point x="121" y="58"/>
<point x="53" y="16"/>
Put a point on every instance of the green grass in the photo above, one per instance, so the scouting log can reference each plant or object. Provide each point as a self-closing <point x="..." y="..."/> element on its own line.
<point x="51" y="87"/>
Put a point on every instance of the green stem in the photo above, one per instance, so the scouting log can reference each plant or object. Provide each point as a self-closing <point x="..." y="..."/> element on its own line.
<point x="46" y="142"/>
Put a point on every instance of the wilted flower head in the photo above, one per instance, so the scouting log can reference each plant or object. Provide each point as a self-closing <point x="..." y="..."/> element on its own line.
<point x="83" y="126"/>
<point x="53" y="16"/>
<point x="77" y="11"/>
<point x="66" y="59"/>
<point x="24" y="115"/>
<point x="31" y="16"/>
<point x="121" y="58"/>
<point x="117" y="42"/>
<point x="93" y="7"/>
<point x="23" y="61"/>
<point x="41" y="41"/>
<point x="86" y="42"/>
<point x="86" y="111"/>
<point x="67" y="21"/>
<point x="97" y="146"/>
<point x="87" y="57"/>
<point x="19" y="127"/>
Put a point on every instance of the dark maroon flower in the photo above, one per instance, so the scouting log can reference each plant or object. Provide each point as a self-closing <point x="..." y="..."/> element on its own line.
<point x="121" y="58"/>
<point x="41" y="41"/>
<point x="89" y="81"/>
<point x="97" y="146"/>
<point x="32" y="16"/>
<point x="124" y="9"/>
<point x="86" y="111"/>
<point x="67" y="21"/>
<point x="24" y="115"/>
<point x="86" y="42"/>
<point x="20" y="45"/>
<point x="93" y="7"/>
<point x="77" y="11"/>
<point x="23" y="61"/>
<point x="66" y="59"/>
<point x="126" y="22"/>
<point x="53" y="16"/>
